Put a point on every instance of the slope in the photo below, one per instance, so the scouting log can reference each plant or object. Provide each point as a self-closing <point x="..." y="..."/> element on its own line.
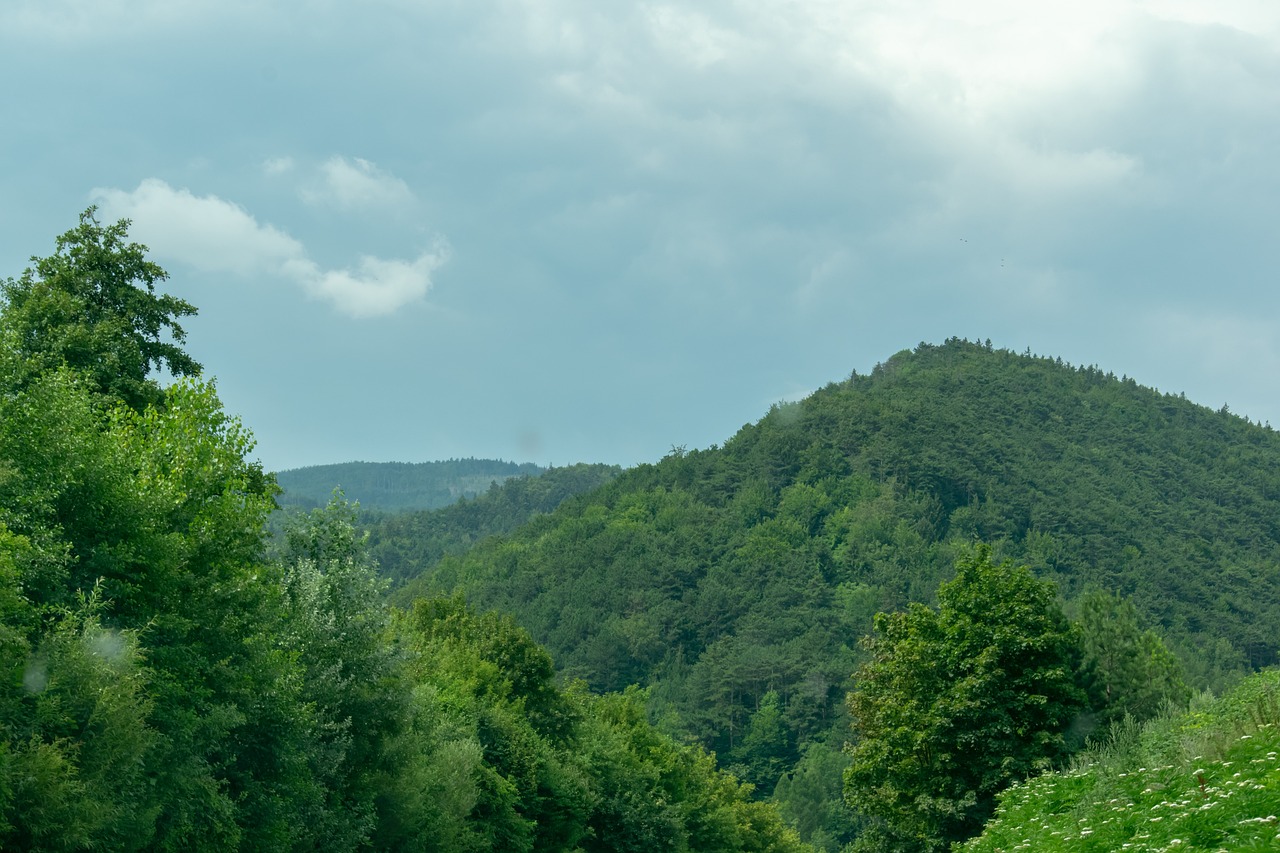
<point x="405" y="543"/>
<point x="736" y="580"/>
<point x="1205" y="780"/>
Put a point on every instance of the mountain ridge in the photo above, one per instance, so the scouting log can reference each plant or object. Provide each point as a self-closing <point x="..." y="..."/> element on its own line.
<point x="397" y="486"/>
<point x="720" y="577"/>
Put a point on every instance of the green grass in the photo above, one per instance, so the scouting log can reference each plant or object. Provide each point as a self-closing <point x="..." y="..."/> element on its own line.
<point x="1205" y="780"/>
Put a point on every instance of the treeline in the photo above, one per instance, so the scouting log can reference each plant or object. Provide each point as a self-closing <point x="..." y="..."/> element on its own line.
<point x="407" y="544"/>
<point x="734" y="582"/>
<point x="397" y="486"/>
<point x="172" y="681"/>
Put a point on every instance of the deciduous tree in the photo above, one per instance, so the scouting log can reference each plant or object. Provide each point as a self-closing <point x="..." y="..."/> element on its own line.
<point x="93" y="306"/>
<point x="958" y="702"/>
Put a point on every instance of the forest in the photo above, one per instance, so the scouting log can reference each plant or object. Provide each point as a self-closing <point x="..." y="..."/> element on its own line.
<point x="396" y="486"/>
<point x="871" y="621"/>
<point x="175" y="679"/>
<point x="734" y="582"/>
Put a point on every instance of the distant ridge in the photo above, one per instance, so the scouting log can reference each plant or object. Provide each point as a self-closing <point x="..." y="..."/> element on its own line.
<point x="404" y="543"/>
<point x="398" y="486"/>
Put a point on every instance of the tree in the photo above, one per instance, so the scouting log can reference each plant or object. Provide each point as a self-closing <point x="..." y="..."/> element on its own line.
<point x="957" y="703"/>
<point x="1127" y="670"/>
<point x="92" y="306"/>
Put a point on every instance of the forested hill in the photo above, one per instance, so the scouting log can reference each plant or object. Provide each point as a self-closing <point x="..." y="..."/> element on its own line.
<point x="727" y="576"/>
<point x="397" y="486"/>
<point x="406" y="542"/>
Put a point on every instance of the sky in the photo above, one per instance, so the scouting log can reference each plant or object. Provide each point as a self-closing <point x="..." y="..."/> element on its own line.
<point x="567" y="230"/>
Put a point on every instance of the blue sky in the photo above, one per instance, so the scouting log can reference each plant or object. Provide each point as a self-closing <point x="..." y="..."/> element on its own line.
<point x="567" y="230"/>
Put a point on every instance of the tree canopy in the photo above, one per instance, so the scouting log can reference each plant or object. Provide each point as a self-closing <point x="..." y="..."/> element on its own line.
<point x="719" y="576"/>
<point x="92" y="305"/>
<point x="171" y="682"/>
<point x="958" y="702"/>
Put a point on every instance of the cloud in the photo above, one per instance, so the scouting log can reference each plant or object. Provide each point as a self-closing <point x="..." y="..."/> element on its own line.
<point x="215" y="235"/>
<point x="277" y="165"/>
<point x="206" y="232"/>
<point x="357" y="183"/>
<point x="1037" y="101"/>
<point x="379" y="287"/>
<point x="689" y="37"/>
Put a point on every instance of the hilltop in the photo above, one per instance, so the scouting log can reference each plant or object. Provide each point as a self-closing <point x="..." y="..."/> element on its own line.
<point x="735" y="581"/>
<point x="397" y="486"/>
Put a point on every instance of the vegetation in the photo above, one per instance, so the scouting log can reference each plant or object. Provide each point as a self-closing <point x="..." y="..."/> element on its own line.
<point x="406" y="544"/>
<point x="397" y="486"/>
<point x="177" y="679"/>
<point x="92" y="305"/>
<point x="957" y="703"/>
<point x="734" y="581"/>
<point x="170" y="685"/>
<point x="1201" y="781"/>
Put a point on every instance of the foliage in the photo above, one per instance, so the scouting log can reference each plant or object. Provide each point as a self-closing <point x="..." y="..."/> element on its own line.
<point x="715" y="577"/>
<point x="171" y="683"/>
<point x="406" y="543"/>
<point x="175" y="683"/>
<point x="958" y="702"/>
<point x="1129" y="671"/>
<point x="397" y="486"/>
<point x="92" y="306"/>
<point x="810" y="797"/>
<point x="1203" y="780"/>
<point x="565" y="770"/>
<point x="74" y="711"/>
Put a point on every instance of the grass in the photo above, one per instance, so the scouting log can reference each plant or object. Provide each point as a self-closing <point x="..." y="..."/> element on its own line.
<point x="1206" y="780"/>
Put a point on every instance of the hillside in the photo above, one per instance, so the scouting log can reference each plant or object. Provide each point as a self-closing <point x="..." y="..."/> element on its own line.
<point x="736" y="580"/>
<point x="405" y="543"/>
<point x="397" y="486"/>
<point x="1201" y="781"/>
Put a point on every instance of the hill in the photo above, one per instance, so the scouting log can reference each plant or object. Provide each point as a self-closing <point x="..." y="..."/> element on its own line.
<point x="405" y="543"/>
<point x="735" y="581"/>
<point x="397" y="486"/>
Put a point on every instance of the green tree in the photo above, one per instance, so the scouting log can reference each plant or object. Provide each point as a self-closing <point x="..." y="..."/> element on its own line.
<point x="808" y="797"/>
<point x="957" y="703"/>
<point x="766" y="745"/>
<point x="1127" y="670"/>
<point x="92" y="306"/>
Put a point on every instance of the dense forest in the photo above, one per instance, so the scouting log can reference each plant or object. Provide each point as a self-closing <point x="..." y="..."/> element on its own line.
<point x="862" y="624"/>
<point x="407" y="544"/>
<point x="734" y="582"/>
<point x="396" y="486"/>
<point x="175" y="681"/>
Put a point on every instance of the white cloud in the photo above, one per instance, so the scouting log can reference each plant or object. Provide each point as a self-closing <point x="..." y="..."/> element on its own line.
<point x="357" y="183"/>
<point x="207" y="232"/>
<point x="277" y="165"/>
<point x="216" y="235"/>
<point x="1036" y="98"/>
<point x="379" y="286"/>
